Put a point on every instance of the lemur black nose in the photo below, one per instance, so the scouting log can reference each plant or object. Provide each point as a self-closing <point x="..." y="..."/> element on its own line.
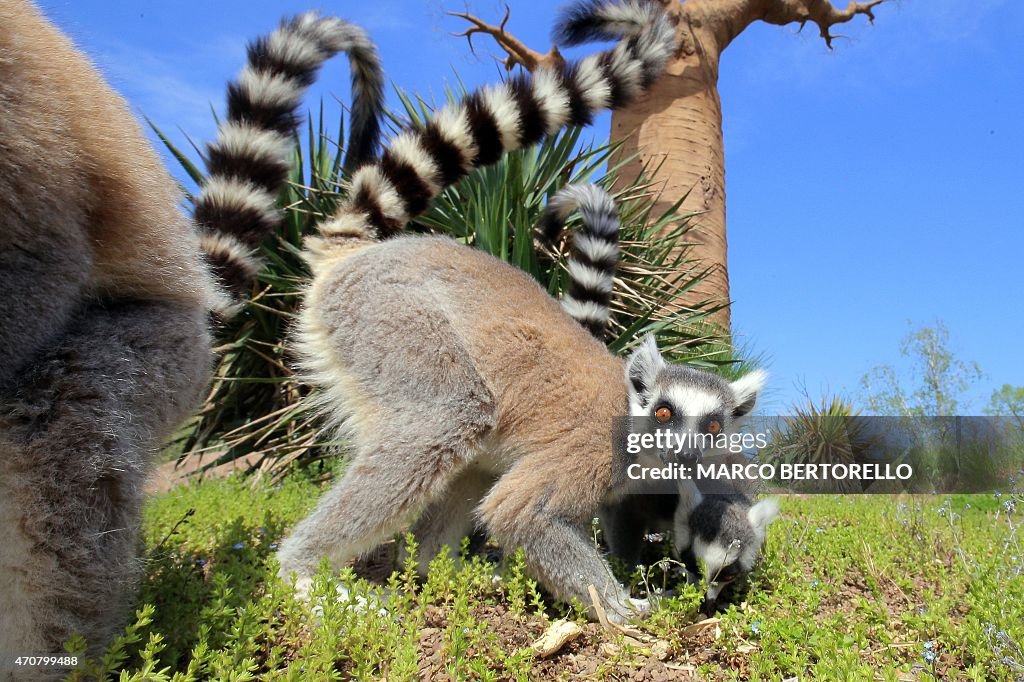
<point x="709" y="607"/>
<point x="691" y="456"/>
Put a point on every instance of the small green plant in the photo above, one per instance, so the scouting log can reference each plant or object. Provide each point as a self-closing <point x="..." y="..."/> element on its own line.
<point x="829" y="432"/>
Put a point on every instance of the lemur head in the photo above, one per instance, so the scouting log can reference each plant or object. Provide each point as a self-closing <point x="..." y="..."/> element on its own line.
<point x="687" y="399"/>
<point x="725" y="534"/>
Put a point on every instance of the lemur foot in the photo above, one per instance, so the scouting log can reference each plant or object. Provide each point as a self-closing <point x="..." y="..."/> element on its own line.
<point x="628" y="609"/>
<point x="304" y="592"/>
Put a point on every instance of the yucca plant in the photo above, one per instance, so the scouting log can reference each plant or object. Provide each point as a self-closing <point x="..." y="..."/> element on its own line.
<point x="830" y="432"/>
<point x="257" y="407"/>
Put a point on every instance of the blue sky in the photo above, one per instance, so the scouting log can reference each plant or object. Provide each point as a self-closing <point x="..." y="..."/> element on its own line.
<point x="869" y="189"/>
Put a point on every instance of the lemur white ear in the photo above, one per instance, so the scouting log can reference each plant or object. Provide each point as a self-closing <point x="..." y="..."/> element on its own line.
<point x="763" y="513"/>
<point x="747" y="389"/>
<point x="642" y="369"/>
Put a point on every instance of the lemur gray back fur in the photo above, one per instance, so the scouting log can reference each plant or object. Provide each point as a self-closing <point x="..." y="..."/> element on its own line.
<point x="591" y="267"/>
<point x="107" y="346"/>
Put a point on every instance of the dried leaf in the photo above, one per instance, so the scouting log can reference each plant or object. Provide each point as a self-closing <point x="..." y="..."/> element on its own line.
<point x="558" y="634"/>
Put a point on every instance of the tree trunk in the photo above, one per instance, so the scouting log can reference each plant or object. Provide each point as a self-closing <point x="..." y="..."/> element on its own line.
<point x="677" y="125"/>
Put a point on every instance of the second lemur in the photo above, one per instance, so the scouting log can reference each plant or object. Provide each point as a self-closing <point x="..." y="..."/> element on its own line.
<point x="719" y="534"/>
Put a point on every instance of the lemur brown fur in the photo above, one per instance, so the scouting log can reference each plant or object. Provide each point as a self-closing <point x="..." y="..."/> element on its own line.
<point x="109" y="290"/>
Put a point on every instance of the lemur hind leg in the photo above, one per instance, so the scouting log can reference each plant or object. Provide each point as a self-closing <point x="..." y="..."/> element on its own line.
<point x="450" y="517"/>
<point x="397" y="469"/>
<point x="380" y="493"/>
<point x="77" y="431"/>
<point x="416" y="409"/>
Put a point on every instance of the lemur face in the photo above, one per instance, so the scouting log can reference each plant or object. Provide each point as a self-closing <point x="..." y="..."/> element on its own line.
<point x="726" y="534"/>
<point x="688" y="400"/>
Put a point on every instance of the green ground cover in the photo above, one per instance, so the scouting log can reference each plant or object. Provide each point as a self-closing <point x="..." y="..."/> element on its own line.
<point x="851" y="587"/>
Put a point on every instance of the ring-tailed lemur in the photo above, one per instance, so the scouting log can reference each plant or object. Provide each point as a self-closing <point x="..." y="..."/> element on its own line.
<point x="722" y="532"/>
<point x="467" y="393"/>
<point x="105" y="328"/>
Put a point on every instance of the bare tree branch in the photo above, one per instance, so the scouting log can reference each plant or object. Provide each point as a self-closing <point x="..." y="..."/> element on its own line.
<point x="518" y="53"/>
<point x="822" y="13"/>
<point x="726" y="19"/>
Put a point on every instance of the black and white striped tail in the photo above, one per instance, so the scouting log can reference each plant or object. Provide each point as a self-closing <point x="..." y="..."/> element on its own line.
<point x="594" y="255"/>
<point x="488" y="122"/>
<point x="248" y="164"/>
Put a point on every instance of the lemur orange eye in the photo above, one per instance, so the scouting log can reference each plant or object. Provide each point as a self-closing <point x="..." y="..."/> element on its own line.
<point x="663" y="414"/>
<point x="714" y="427"/>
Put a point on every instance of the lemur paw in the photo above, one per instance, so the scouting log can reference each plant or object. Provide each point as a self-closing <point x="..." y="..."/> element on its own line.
<point x="304" y="590"/>
<point x="628" y="609"/>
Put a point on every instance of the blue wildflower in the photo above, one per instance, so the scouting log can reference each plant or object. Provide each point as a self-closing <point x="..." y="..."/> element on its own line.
<point x="755" y="627"/>
<point x="238" y="545"/>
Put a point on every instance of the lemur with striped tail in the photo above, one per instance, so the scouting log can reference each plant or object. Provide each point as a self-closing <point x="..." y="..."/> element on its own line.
<point x="105" y="330"/>
<point x="466" y="392"/>
<point x="722" y="533"/>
